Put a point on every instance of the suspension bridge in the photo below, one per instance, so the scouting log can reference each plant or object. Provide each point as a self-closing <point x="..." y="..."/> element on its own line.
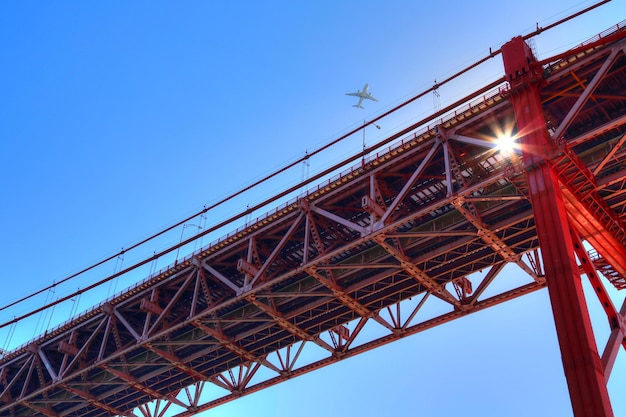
<point x="432" y="213"/>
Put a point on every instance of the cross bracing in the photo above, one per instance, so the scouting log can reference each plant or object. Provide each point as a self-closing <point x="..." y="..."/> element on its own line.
<point x="435" y="217"/>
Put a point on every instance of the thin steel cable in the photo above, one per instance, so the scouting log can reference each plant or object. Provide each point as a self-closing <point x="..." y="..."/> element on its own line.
<point x="491" y="55"/>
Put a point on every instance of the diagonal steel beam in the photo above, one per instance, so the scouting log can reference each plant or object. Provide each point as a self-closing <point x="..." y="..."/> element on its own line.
<point x="132" y="381"/>
<point x="311" y="232"/>
<point x="340" y="294"/>
<point x="280" y="319"/>
<point x="420" y="276"/>
<point x="113" y="311"/>
<point x="27" y="363"/>
<point x="229" y="344"/>
<point x="474" y="141"/>
<point x="83" y="349"/>
<point x="575" y="109"/>
<point x="616" y="339"/>
<point x="178" y="363"/>
<point x="487" y="280"/>
<point x="367" y="346"/>
<point x="598" y="224"/>
<point x="407" y="186"/>
<point x="350" y="225"/>
<point x="93" y="400"/>
<point x="44" y="359"/>
<point x="277" y="249"/>
<point x="485" y="234"/>
<point x="490" y="238"/>
<point x="170" y="305"/>
<point x="616" y="319"/>
<point x="352" y="303"/>
<point x="610" y="155"/>
<point x="221" y="278"/>
<point x="41" y="410"/>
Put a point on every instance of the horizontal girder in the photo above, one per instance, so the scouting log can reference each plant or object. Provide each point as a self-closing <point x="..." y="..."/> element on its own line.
<point x="418" y="220"/>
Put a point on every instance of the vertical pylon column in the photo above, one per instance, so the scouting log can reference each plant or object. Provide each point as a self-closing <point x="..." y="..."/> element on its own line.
<point x="581" y="362"/>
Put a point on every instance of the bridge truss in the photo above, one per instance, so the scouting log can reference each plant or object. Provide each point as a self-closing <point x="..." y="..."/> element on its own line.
<point x="415" y="222"/>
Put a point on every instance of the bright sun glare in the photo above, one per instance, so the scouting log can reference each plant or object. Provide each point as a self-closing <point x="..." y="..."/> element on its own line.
<point x="505" y="144"/>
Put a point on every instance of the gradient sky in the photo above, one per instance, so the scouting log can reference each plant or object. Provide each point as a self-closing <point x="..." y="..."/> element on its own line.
<point x="120" y="118"/>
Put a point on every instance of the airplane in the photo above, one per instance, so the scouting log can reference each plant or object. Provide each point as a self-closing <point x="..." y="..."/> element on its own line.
<point x="362" y="95"/>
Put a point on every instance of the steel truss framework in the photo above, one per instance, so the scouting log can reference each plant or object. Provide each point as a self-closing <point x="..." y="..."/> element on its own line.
<point x="408" y="227"/>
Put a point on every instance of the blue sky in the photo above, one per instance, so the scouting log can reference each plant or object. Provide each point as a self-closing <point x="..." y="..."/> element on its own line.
<point x="120" y="118"/>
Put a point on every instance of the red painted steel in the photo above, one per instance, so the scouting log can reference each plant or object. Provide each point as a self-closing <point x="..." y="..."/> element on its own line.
<point x="581" y="362"/>
<point x="372" y="246"/>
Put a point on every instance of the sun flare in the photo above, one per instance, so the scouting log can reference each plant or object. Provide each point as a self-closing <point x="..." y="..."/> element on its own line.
<point x="505" y="144"/>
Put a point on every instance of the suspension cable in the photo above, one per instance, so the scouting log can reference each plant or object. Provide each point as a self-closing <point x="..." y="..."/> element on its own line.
<point x="304" y="158"/>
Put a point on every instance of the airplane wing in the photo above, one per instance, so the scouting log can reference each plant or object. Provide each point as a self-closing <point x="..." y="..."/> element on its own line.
<point x="362" y="95"/>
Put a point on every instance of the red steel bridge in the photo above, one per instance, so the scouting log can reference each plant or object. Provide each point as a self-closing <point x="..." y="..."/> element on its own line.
<point x="412" y="218"/>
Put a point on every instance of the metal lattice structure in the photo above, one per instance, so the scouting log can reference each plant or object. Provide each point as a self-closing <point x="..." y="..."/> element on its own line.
<point x="415" y="221"/>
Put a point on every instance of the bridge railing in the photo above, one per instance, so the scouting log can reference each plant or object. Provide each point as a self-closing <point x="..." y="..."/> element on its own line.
<point x="422" y="132"/>
<point x="462" y="112"/>
<point x="605" y="33"/>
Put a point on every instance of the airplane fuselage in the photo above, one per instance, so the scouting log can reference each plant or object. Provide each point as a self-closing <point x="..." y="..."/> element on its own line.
<point x="362" y="95"/>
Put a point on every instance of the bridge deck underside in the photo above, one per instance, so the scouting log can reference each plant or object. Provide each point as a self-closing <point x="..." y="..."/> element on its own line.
<point x="416" y="220"/>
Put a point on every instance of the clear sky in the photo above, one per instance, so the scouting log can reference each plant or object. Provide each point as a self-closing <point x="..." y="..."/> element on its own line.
<point x="120" y="118"/>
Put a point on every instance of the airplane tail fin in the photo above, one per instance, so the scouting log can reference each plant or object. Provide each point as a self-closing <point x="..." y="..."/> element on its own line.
<point x="358" y="106"/>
